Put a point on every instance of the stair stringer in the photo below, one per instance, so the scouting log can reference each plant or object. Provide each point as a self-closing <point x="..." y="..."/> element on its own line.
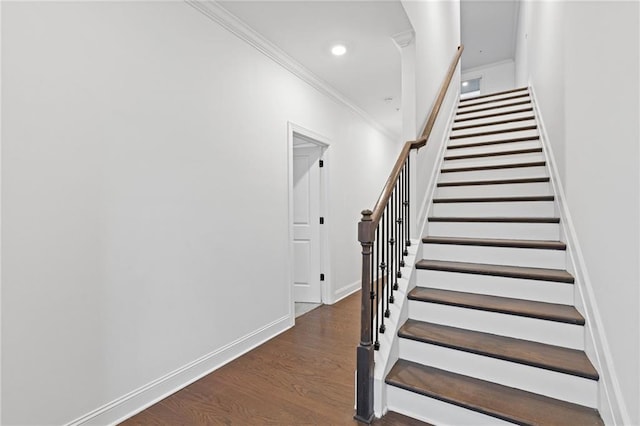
<point x="388" y="354"/>
<point x="427" y="201"/>
<point x="610" y="402"/>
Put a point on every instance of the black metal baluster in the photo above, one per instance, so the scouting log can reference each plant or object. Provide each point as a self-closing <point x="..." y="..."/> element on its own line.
<point x="392" y="241"/>
<point x="396" y="224"/>
<point x="408" y="208"/>
<point x="401" y="247"/>
<point x="383" y="267"/>
<point x="375" y="309"/>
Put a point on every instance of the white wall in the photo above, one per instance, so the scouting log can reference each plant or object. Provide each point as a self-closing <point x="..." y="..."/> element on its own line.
<point x="540" y="62"/>
<point x="582" y="59"/>
<point x="144" y="198"/>
<point x="494" y="77"/>
<point x="437" y="37"/>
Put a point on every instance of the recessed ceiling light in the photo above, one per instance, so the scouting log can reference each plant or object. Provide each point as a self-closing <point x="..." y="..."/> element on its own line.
<point x="465" y="83"/>
<point x="339" y="50"/>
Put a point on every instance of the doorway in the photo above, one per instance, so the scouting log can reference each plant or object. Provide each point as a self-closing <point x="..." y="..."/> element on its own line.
<point x="307" y="221"/>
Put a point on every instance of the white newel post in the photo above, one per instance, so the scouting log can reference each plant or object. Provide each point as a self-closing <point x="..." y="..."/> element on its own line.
<point x="405" y="42"/>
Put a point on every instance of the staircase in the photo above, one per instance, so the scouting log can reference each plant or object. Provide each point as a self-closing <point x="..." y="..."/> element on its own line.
<point x="492" y="335"/>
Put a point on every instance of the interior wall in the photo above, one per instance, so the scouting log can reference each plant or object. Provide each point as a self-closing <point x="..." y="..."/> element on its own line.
<point x="494" y="77"/>
<point x="582" y="58"/>
<point x="540" y="62"/>
<point x="145" y="199"/>
<point x="437" y="37"/>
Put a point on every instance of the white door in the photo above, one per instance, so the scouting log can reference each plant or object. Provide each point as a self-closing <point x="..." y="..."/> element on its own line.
<point x="306" y="224"/>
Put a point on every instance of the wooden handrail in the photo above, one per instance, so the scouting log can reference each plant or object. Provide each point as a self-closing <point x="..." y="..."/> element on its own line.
<point x="417" y="144"/>
<point x="441" y="95"/>
<point x="394" y="240"/>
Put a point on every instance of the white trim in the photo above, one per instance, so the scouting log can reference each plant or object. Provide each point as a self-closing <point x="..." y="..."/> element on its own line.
<point x="404" y="39"/>
<point x="324" y="143"/>
<point x="217" y="13"/>
<point x="0" y="215"/>
<point x="345" y="291"/>
<point x="427" y="201"/>
<point x="611" y="403"/>
<point x="134" y="402"/>
<point x="487" y="66"/>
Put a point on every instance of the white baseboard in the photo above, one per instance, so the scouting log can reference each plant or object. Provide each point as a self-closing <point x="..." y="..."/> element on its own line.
<point x="611" y="406"/>
<point x="134" y="402"/>
<point x="345" y="291"/>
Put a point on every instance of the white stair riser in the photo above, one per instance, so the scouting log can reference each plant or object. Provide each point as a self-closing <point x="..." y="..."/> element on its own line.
<point x="502" y="190"/>
<point x="496" y="97"/>
<point x="493" y="127"/>
<point x="491" y="111"/>
<point x="524" y="231"/>
<point x="435" y="412"/>
<point x="534" y="258"/>
<point x="498" y="137"/>
<point x="566" y="387"/>
<point x="494" y="160"/>
<point x="517" y="288"/>
<point x="496" y="209"/>
<point x="493" y="119"/>
<point x="537" y="330"/>
<point x="509" y="146"/>
<point x="502" y="101"/>
<point x="512" y="173"/>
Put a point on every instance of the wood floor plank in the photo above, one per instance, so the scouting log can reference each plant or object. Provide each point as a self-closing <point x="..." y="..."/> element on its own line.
<point x="304" y="376"/>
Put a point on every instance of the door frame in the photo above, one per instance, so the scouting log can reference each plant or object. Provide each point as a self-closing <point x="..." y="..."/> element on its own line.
<point x="324" y="144"/>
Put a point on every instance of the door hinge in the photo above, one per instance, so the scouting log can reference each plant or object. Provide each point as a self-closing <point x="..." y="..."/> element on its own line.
<point x="321" y="220"/>
<point x="321" y="163"/>
<point x="321" y="277"/>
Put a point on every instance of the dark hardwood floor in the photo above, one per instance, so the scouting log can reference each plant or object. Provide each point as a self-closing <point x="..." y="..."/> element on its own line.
<point x="303" y="376"/>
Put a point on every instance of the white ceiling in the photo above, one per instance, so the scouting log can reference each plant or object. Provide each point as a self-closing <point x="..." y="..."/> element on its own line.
<point x="306" y="30"/>
<point x="488" y="31"/>
<point x="370" y="71"/>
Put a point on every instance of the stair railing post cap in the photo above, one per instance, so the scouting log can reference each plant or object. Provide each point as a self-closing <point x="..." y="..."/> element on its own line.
<point x="366" y="215"/>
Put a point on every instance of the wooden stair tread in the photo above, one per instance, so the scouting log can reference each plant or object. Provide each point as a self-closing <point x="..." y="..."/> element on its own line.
<point x="494" y="167"/>
<point x="495" y="219"/>
<point x="494" y="107"/>
<point x="539" y="274"/>
<point x="494" y="132"/>
<point x="494" y="182"/>
<point x="531" y="198"/>
<point x="505" y="305"/>
<point x="503" y="92"/>
<point x="495" y="400"/>
<point x="496" y="242"/>
<point x="495" y="114"/>
<point x="490" y="101"/>
<point x="494" y="154"/>
<point x="493" y="123"/>
<point x="541" y="355"/>
<point x="496" y="142"/>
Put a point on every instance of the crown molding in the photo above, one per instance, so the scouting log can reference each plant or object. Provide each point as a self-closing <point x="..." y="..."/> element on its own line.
<point x="404" y="38"/>
<point x="487" y="66"/>
<point x="217" y="13"/>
